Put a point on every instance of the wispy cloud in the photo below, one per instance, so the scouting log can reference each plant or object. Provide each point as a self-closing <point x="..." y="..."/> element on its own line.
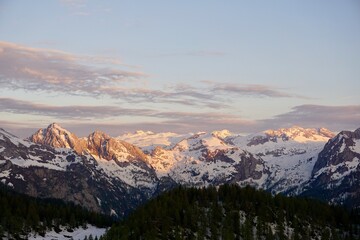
<point x="115" y="129"/>
<point x="69" y="112"/>
<point x="79" y="115"/>
<point x="56" y="71"/>
<point x="254" y="90"/>
<point x="85" y="112"/>
<point x="48" y="70"/>
<point x="188" y="121"/>
<point x="336" y="118"/>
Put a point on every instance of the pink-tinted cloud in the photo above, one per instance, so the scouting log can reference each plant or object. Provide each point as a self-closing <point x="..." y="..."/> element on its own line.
<point x="46" y="70"/>
<point x="176" y="121"/>
<point x="77" y="112"/>
<point x="69" y="112"/>
<point x="50" y="70"/>
<point x="336" y="118"/>
<point x="255" y="90"/>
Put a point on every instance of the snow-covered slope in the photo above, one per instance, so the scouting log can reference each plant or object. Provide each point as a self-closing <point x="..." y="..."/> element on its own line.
<point x="204" y="159"/>
<point x="222" y="134"/>
<point x="148" y="141"/>
<point x="289" y="153"/>
<point x="76" y="234"/>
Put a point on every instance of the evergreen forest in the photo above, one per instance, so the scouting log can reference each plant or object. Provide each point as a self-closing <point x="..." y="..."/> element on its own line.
<point x="230" y="212"/>
<point x="20" y="215"/>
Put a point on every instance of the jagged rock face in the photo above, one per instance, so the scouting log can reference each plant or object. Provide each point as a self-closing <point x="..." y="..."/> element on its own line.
<point x="340" y="149"/>
<point x="250" y="167"/>
<point x="106" y="147"/>
<point x="46" y="172"/>
<point x="97" y="144"/>
<point x="118" y="159"/>
<point x="58" y="137"/>
<point x="336" y="174"/>
<point x="123" y="161"/>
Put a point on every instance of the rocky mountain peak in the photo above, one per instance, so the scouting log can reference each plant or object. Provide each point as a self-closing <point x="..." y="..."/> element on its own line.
<point x="55" y="129"/>
<point x="98" y="136"/>
<point x="102" y="145"/>
<point x="349" y="134"/>
<point x="344" y="147"/>
<point x="56" y="126"/>
<point x="56" y="136"/>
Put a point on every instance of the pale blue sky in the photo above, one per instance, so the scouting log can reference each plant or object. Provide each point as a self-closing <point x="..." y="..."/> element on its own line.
<point x="179" y="66"/>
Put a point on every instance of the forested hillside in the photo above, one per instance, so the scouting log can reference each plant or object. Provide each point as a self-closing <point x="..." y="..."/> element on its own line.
<point x="231" y="212"/>
<point x="20" y="215"/>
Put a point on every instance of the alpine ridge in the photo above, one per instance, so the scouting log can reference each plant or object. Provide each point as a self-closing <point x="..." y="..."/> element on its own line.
<point x="115" y="174"/>
<point x="336" y="174"/>
<point x="98" y="184"/>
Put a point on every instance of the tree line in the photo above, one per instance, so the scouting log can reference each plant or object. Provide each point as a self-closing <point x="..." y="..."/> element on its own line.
<point x="21" y="214"/>
<point x="231" y="212"/>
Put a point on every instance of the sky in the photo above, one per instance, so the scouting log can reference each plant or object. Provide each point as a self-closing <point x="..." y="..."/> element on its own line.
<point x="179" y="66"/>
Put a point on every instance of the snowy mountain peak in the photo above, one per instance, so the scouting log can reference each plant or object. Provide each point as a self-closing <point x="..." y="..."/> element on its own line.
<point x="202" y="142"/>
<point x="222" y="134"/>
<point x="300" y="134"/>
<point x="294" y="134"/>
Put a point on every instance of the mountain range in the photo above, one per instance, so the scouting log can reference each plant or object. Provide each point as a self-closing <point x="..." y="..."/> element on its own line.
<point x="114" y="175"/>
